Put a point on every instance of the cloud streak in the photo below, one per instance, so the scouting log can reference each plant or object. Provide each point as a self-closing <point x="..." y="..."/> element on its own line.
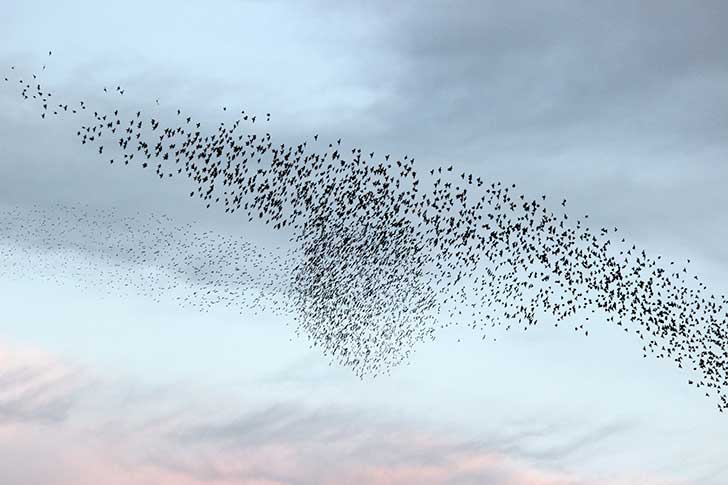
<point x="114" y="431"/>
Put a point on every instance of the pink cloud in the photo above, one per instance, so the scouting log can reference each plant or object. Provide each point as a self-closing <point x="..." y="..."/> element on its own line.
<point x="96" y="437"/>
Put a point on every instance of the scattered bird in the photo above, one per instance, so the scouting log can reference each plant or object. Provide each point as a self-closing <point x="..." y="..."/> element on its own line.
<point x="149" y="254"/>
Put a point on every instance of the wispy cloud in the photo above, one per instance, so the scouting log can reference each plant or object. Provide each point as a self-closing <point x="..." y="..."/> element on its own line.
<point x="105" y="430"/>
<point x="36" y="388"/>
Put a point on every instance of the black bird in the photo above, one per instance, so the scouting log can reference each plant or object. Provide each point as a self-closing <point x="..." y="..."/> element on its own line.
<point x="384" y="258"/>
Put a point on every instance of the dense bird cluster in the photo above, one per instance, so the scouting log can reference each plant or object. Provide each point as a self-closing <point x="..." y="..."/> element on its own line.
<point x="387" y="252"/>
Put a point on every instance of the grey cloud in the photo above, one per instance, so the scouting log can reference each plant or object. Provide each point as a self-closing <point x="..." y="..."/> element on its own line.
<point x="524" y="67"/>
<point x="583" y="442"/>
<point x="37" y="394"/>
<point x="283" y="442"/>
<point x="620" y="107"/>
<point x="287" y="442"/>
<point x="197" y="442"/>
<point x="361" y="439"/>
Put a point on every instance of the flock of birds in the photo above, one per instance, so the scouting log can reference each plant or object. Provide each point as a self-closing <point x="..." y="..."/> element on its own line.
<point x="144" y="254"/>
<point x="385" y="253"/>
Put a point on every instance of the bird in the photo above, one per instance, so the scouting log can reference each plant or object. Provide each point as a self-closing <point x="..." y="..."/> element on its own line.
<point x="385" y="253"/>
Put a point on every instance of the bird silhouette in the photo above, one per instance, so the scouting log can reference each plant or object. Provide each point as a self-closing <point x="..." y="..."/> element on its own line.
<point x="385" y="254"/>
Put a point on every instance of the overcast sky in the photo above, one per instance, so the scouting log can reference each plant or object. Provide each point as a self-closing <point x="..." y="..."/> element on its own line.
<point x="620" y="107"/>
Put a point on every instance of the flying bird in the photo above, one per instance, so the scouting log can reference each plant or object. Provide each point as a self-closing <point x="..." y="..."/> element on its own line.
<point x="387" y="253"/>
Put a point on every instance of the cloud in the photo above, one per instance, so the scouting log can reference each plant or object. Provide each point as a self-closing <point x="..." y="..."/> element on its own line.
<point x="34" y="388"/>
<point x="535" y="70"/>
<point x="620" y="107"/>
<point x="87" y="428"/>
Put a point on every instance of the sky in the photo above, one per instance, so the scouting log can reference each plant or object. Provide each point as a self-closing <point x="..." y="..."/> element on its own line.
<point x="620" y="107"/>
